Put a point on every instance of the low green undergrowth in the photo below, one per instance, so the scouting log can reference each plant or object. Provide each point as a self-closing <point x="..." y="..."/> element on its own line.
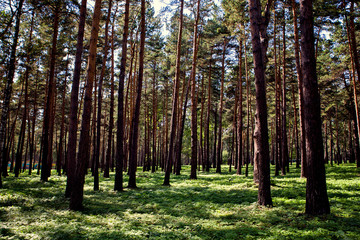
<point x="215" y="206"/>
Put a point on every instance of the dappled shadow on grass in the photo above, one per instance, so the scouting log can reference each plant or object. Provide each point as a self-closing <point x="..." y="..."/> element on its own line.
<point x="182" y="197"/>
<point x="215" y="206"/>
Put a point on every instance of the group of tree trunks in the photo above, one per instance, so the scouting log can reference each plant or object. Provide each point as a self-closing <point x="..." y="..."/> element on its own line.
<point x="167" y="148"/>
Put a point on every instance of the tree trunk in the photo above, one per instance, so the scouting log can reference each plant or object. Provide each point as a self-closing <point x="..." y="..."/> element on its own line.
<point x="21" y="140"/>
<point x="240" y="118"/>
<point x="300" y="83"/>
<point x="284" y="143"/>
<point x="181" y="130"/>
<point x="201" y="145"/>
<point x="99" y="112"/>
<point x="60" y="156"/>
<point x="317" y="202"/>
<point x="258" y="26"/>
<point x="77" y="193"/>
<point x="73" y="123"/>
<point x="219" y="146"/>
<point x="93" y="135"/>
<point x="9" y="82"/>
<point x="111" y="117"/>
<point x="173" y="124"/>
<point x="207" y="124"/>
<point x="50" y="103"/>
<point x="247" y="159"/>
<point x="133" y="140"/>
<point x="120" y="123"/>
<point x="354" y="66"/>
<point x="278" y="146"/>
<point x="215" y="138"/>
<point x="33" y="145"/>
<point x="154" y="157"/>
<point x="296" y="130"/>
<point x="194" y="140"/>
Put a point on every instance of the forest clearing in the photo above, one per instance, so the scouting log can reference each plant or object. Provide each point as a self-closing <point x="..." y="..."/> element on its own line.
<point x="212" y="207"/>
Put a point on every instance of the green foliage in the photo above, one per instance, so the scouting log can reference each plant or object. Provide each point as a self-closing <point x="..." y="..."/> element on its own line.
<point x="212" y="207"/>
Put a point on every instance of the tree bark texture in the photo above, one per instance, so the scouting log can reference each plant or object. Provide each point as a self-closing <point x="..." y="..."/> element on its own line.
<point x="73" y="122"/>
<point x="169" y="155"/>
<point x="120" y="123"/>
<point x="83" y="156"/>
<point x="194" y="141"/>
<point x="133" y="140"/>
<point x="316" y="195"/>
<point x="259" y="24"/>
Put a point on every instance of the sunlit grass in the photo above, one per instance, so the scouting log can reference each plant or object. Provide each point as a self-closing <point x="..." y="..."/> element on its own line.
<point x="212" y="207"/>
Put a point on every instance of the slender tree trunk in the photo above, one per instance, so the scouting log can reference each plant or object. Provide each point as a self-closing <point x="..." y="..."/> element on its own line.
<point x="169" y="154"/>
<point x="219" y="146"/>
<point x="354" y="66"/>
<point x="207" y="124"/>
<point x="353" y="45"/>
<point x="326" y="157"/>
<point x="120" y="123"/>
<point x="73" y="123"/>
<point x="8" y="88"/>
<point x="93" y="135"/>
<point x="201" y="145"/>
<point x="194" y="141"/>
<point x="111" y="116"/>
<point x="296" y="130"/>
<point x="240" y="118"/>
<point x="215" y="138"/>
<point x="83" y="156"/>
<point x="337" y="151"/>
<point x="60" y="156"/>
<point x="316" y="195"/>
<point x="181" y="130"/>
<point x="284" y="143"/>
<point x="98" y="135"/>
<point x="154" y="156"/>
<point x="19" y="152"/>
<point x="258" y="26"/>
<point x="50" y="103"/>
<point x="278" y="146"/>
<point x="300" y="83"/>
<point x="247" y="160"/>
<point x="133" y="146"/>
<point x="331" y="143"/>
<point x="33" y="145"/>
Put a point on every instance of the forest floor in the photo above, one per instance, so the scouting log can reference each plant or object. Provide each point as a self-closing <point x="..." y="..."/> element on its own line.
<point x="212" y="207"/>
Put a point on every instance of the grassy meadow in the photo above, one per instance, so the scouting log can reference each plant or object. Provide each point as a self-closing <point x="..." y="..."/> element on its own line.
<point x="212" y="207"/>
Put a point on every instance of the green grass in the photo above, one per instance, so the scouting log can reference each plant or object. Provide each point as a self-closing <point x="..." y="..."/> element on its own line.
<point x="212" y="207"/>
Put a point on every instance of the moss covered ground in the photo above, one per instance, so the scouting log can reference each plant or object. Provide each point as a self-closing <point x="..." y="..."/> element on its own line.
<point x="215" y="206"/>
